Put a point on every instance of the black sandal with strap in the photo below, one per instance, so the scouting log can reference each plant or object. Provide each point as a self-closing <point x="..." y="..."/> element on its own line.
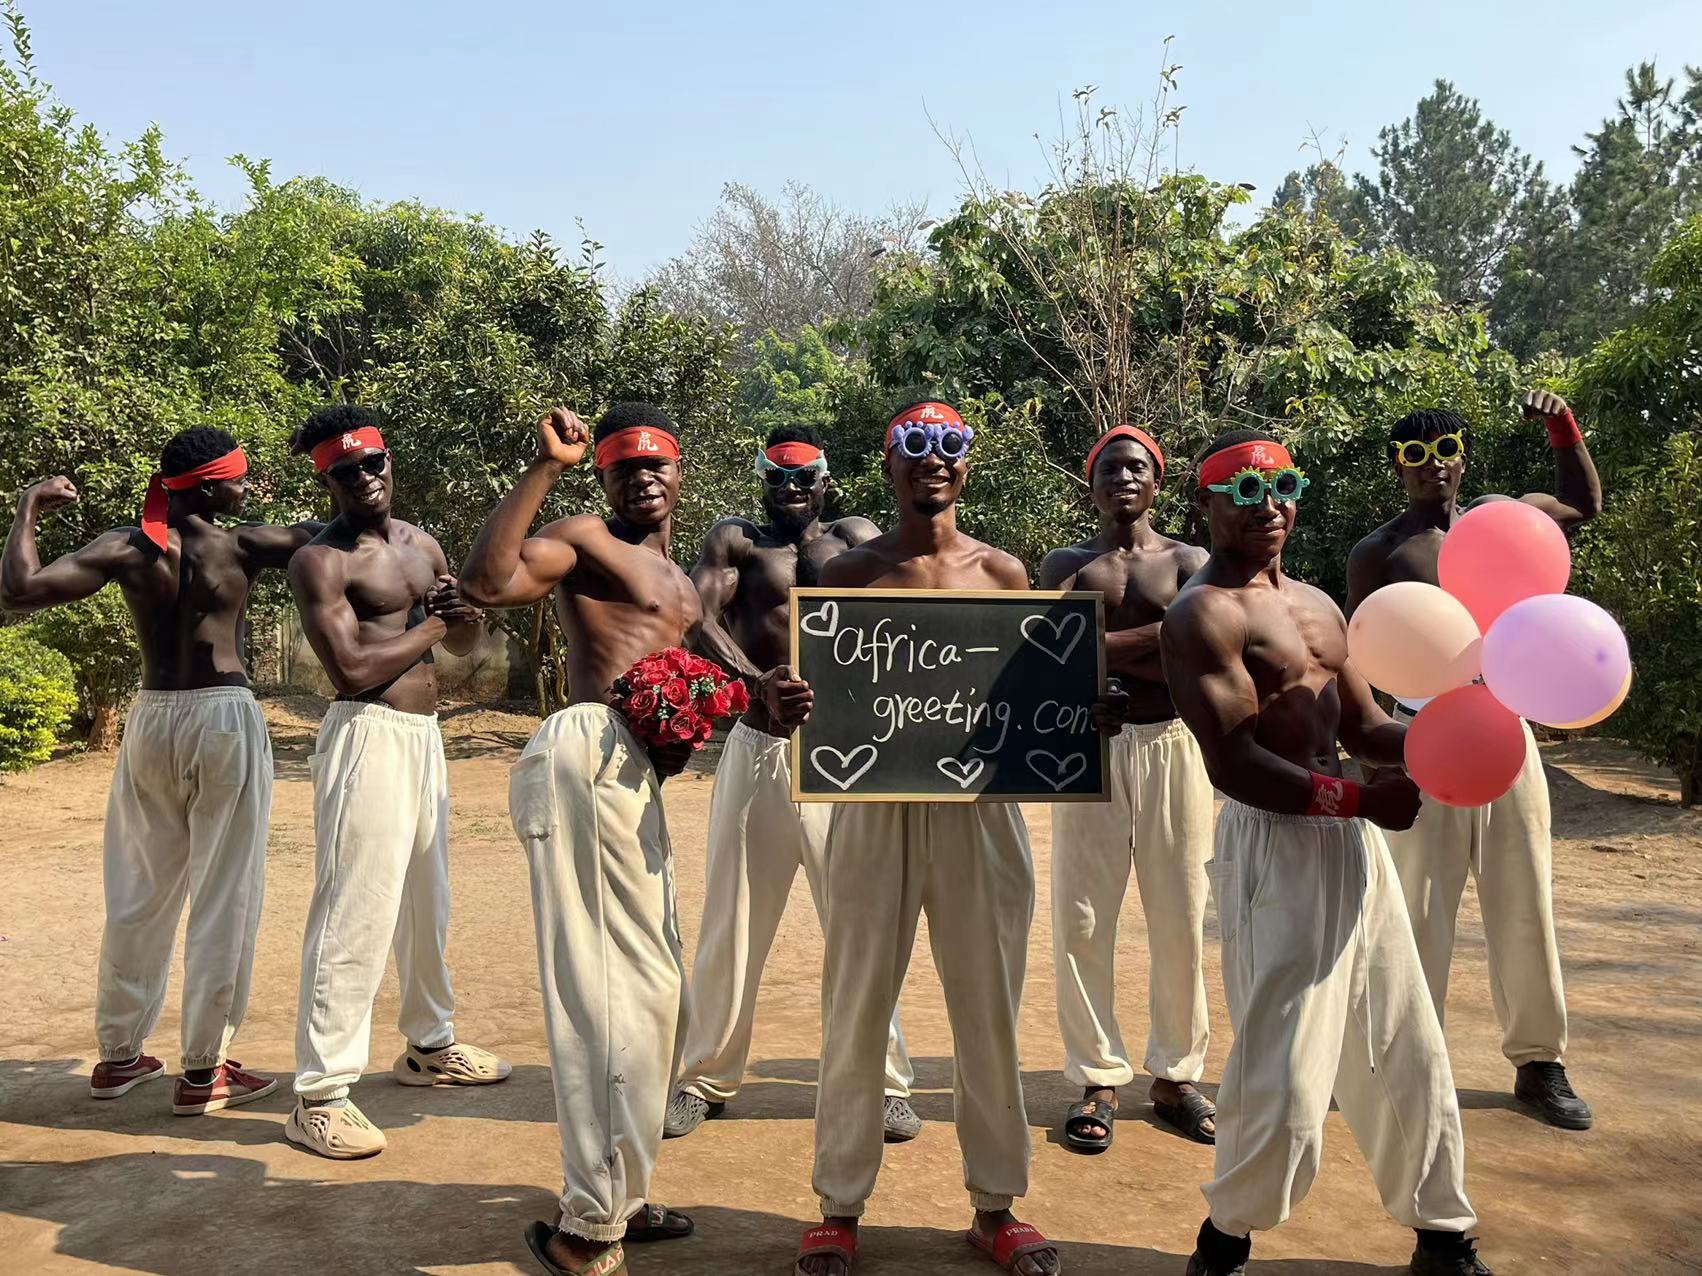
<point x="1089" y="1112"/>
<point x="657" y="1223"/>
<point x="1188" y="1117"/>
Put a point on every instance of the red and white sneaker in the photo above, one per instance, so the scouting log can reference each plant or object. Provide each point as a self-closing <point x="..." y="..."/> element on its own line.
<point x="113" y="1079"/>
<point x="229" y="1087"/>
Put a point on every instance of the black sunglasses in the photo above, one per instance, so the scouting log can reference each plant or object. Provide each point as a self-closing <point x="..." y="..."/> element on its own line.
<point x="373" y="464"/>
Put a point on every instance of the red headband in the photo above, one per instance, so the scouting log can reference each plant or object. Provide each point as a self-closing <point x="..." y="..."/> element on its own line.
<point x="792" y="455"/>
<point x="157" y="503"/>
<point x="335" y="448"/>
<point x="1126" y="432"/>
<point x="930" y="413"/>
<point x="1257" y="455"/>
<point x="639" y="440"/>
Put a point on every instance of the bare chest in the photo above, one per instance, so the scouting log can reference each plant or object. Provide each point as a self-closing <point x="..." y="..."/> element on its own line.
<point x="1415" y="558"/>
<point x="387" y="579"/>
<point x="1137" y="588"/>
<point x="1292" y="644"/>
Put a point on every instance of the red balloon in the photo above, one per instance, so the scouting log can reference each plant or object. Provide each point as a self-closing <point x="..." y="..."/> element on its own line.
<point x="1465" y="748"/>
<point x="1500" y="554"/>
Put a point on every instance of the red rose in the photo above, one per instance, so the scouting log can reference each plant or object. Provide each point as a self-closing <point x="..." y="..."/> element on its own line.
<point x="675" y="692"/>
<point x="702" y="668"/>
<point x="650" y="672"/>
<point x="685" y="725"/>
<point x="643" y="704"/>
<point x="740" y="697"/>
<point x="678" y="660"/>
<point x="720" y="704"/>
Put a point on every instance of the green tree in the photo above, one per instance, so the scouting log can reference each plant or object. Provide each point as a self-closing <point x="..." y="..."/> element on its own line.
<point x="36" y="699"/>
<point x="1642" y="559"/>
<point x="1453" y="190"/>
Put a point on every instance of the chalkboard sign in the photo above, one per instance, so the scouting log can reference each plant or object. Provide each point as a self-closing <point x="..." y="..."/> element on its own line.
<point x="949" y="695"/>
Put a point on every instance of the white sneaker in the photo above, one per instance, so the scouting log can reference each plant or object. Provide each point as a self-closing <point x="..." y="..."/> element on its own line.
<point x="341" y="1133"/>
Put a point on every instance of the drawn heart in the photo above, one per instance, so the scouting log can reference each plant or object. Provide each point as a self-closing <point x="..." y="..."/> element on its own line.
<point x="847" y="763"/>
<point x="1066" y="633"/>
<point x="962" y="773"/>
<point x="827" y="617"/>
<point x="1060" y="771"/>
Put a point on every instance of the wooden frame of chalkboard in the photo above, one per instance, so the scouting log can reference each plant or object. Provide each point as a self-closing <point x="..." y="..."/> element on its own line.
<point x="800" y="594"/>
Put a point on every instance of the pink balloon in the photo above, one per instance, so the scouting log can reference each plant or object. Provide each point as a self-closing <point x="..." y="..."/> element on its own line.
<point x="1464" y="748"/>
<point x="1502" y="553"/>
<point x="1412" y="639"/>
<point x="1555" y="659"/>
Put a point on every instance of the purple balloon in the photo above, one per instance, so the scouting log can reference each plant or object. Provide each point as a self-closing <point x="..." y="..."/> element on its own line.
<point x="1555" y="658"/>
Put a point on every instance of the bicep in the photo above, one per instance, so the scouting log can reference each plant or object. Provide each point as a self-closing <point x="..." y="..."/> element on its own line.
<point x="79" y="574"/>
<point x="716" y="576"/>
<point x="1208" y="677"/>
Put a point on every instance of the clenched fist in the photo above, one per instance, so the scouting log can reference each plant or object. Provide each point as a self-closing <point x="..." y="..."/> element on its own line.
<point x="562" y="437"/>
<point x="1543" y="403"/>
<point x="49" y="494"/>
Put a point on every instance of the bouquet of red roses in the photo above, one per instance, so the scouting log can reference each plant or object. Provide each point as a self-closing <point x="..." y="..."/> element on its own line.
<point x="672" y="696"/>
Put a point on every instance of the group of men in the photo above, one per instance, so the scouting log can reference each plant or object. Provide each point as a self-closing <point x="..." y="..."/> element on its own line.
<point x="1228" y="673"/>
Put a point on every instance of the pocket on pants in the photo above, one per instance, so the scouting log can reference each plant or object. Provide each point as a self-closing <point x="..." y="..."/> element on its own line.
<point x="1225" y="879"/>
<point x="532" y="796"/>
<point x="223" y="759"/>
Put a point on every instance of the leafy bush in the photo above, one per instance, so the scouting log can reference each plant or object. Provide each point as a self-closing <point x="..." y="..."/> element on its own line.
<point x="36" y="699"/>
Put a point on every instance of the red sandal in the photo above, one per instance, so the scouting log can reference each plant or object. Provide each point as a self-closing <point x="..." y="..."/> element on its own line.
<point x="829" y="1240"/>
<point x="1012" y="1243"/>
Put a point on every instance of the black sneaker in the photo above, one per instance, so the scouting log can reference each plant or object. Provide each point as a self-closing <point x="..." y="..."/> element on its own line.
<point x="1447" y="1254"/>
<point x="1216" y="1254"/>
<point x="1544" y="1087"/>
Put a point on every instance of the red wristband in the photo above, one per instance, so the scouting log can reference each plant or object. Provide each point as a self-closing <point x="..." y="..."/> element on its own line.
<point x="1332" y="795"/>
<point x="1563" y="430"/>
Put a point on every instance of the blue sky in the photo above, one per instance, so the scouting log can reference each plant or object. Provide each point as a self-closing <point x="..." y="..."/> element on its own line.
<point x="632" y="116"/>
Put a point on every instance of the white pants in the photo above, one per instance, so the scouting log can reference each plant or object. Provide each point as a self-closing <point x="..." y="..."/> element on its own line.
<point x="587" y="807"/>
<point x="1326" y="996"/>
<point x="968" y="866"/>
<point x="186" y="817"/>
<point x="758" y="837"/>
<point x="1506" y="846"/>
<point x="380" y="880"/>
<point x="1158" y="821"/>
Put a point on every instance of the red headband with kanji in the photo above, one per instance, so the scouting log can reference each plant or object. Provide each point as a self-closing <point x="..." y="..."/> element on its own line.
<point x="157" y="503"/>
<point x="335" y="448"/>
<point x="637" y="441"/>
<point x="1260" y="454"/>
<point x="1126" y="432"/>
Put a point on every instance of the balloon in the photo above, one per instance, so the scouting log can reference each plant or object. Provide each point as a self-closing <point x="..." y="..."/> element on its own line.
<point x="1604" y="714"/>
<point x="1499" y="554"/>
<point x="1465" y="748"/>
<point x="1555" y="658"/>
<point x="1412" y="639"/>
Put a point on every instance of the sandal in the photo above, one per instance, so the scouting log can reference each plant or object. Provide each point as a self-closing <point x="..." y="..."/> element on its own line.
<point x="828" y="1240"/>
<point x="657" y="1223"/>
<point x="608" y="1263"/>
<point x="1089" y="1112"/>
<point x="1012" y="1243"/>
<point x="1188" y="1117"/>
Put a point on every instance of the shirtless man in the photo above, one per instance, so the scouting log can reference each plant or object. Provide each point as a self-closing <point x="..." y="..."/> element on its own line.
<point x="1158" y="820"/>
<point x="758" y="836"/>
<point x="1326" y="994"/>
<point x="967" y="865"/>
<point x="586" y="802"/>
<point x="1504" y="845"/>
<point x="192" y="791"/>
<point x="375" y="596"/>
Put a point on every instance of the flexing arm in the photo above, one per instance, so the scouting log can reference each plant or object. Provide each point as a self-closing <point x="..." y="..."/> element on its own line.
<point x="506" y="567"/>
<point x="267" y="546"/>
<point x="716" y="576"/>
<point x="25" y="585"/>
<point x="353" y="664"/>
<point x="1577" y="489"/>
<point x="1203" y="645"/>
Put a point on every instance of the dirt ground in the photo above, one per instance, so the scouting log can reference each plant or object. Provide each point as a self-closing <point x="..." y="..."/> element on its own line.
<point x="125" y="1185"/>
